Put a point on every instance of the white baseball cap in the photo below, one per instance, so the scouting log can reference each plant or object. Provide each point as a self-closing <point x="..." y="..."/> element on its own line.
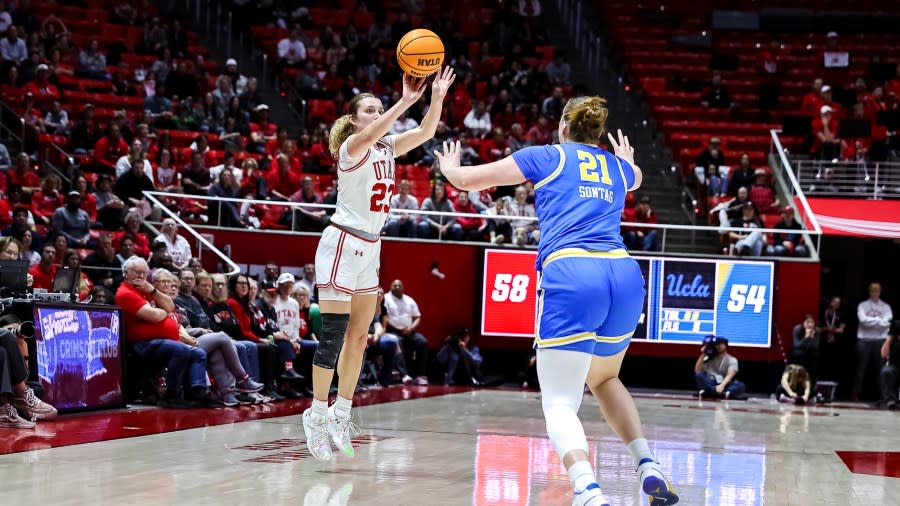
<point x="825" y="108"/>
<point x="230" y="61"/>
<point x="285" y="277"/>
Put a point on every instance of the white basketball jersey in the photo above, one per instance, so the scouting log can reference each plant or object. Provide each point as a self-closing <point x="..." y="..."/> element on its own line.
<point x="365" y="187"/>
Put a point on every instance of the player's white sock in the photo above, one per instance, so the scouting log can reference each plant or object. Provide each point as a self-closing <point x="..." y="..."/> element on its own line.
<point x="582" y="474"/>
<point x="320" y="408"/>
<point x="342" y="408"/>
<point x="640" y="451"/>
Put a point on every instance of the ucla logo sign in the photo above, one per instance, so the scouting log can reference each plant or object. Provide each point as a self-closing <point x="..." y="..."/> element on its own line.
<point x="676" y="286"/>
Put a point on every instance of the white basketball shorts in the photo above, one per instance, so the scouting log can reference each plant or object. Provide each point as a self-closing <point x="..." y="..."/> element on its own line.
<point x="346" y="264"/>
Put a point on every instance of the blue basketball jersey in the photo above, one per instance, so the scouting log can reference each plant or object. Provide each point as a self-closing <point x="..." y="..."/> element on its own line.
<point x="579" y="193"/>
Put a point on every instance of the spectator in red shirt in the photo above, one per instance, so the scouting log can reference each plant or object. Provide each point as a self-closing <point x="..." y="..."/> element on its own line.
<point x="492" y="148"/>
<point x="10" y="91"/>
<point x="306" y="217"/>
<point x="472" y="227"/>
<point x="282" y="182"/>
<point x="263" y="130"/>
<point x="641" y="238"/>
<point x="110" y="148"/>
<point x="812" y="101"/>
<point x="762" y="194"/>
<point x="46" y="201"/>
<point x="274" y="146"/>
<point x="152" y="327"/>
<point x="23" y="174"/>
<point x="44" y="272"/>
<point x="539" y="133"/>
<point x="43" y="90"/>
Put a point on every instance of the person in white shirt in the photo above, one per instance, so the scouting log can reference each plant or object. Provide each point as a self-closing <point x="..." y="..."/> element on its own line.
<point x="135" y="155"/>
<point x="402" y="224"/>
<point x="12" y="48"/>
<point x="403" y="124"/>
<point x="291" y="51"/>
<point x="176" y="246"/>
<point x="478" y="121"/>
<point x="403" y="318"/>
<point x="874" y="322"/>
<point x="5" y="21"/>
<point x="308" y="281"/>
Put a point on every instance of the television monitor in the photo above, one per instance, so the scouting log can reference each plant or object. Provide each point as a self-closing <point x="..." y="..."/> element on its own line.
<point x="79" y="354"/>
<point x="65" y="280"/>
<point x="13" y="277"/>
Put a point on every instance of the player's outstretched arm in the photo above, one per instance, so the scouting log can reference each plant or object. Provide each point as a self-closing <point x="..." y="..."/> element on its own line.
<point x="359" y="143"/>
<point x="503" y="172"/>
<point x="411" y="139"/>
<point x="623" y="149"/>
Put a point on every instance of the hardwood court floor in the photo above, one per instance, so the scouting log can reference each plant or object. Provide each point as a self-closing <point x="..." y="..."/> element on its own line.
<point x="435" y="446"/>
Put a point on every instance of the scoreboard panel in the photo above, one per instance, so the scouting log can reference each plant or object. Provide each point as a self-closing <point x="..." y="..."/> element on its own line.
<point x="686" y="299"/>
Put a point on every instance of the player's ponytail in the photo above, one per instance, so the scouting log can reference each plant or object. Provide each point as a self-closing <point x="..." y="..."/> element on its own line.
<point x="343" y="128"/>
<point x="586" y="119"/>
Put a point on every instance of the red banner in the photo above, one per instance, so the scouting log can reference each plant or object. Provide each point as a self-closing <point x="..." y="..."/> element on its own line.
<point x="858" y="218"/>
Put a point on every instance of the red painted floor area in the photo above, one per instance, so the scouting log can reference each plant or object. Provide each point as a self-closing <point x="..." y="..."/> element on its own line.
<point x="93" y="427"/>
<point x="874" y="463"/>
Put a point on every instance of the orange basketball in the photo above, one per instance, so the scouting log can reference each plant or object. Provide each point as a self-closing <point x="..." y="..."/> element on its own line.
<point x="420" y="53"/>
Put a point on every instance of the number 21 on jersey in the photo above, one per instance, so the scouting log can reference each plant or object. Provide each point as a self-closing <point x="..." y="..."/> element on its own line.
<point x="588" y="168"/>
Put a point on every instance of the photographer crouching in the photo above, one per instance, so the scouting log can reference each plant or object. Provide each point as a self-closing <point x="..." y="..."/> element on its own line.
<point x="715" y="371"/>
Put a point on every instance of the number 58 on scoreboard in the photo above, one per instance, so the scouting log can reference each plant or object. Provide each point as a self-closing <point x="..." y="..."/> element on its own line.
<point x="686" y="299"/>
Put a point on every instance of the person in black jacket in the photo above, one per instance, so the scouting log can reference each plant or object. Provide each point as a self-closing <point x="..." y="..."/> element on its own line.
<point x="805" y="351"/>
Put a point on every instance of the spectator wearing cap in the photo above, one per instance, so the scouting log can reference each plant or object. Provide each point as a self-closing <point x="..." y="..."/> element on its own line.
<point x="43" y="90"/>
<point x="716" y="371"/>
<point x="73" y="222"/>
<point x="827" y="143"/>
<point x="828" y="99"/>
<point x="790" y="241"/>
<point x="238" y="82"/>
<point x="641" y="238"/>
<point x="762" y="194"/>
<point x="750" y="241"/>
<point x="12" y="48"/>
<point x="743" y="176"/>
<point x="712" y="155"/>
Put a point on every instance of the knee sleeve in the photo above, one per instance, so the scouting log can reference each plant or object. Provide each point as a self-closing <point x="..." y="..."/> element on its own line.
<point x="562" y="375"/>
<point x="334" y="327"/>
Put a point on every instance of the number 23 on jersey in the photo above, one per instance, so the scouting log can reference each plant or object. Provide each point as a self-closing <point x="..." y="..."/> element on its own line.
<point x="380" y="201"/>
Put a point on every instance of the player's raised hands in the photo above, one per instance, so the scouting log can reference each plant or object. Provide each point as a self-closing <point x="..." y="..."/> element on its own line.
<point x="449" y="157"/>
<point x="413" y="88"/>
<point x="442" y="81"/>
<point x="621" y="147"/>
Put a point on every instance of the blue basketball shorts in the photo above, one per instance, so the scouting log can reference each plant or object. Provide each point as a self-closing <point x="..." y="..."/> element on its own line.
<point x="589" y="302"/>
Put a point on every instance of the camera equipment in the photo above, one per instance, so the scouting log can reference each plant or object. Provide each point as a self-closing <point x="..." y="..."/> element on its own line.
<point x="25" y="330"/>
<point x="22" y="329"/>
<point x="709" y="346"/>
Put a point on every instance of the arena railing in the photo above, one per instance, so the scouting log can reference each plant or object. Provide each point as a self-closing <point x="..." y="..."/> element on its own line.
<point x="12" y="126"/>
<point x="850" y="180"/>
<point x="228" y="265"/>
<point x="706" y="233"/>
<point x="787" y="185"/>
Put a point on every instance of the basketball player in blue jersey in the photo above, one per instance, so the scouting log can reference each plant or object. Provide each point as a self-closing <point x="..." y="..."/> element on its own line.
<point x="590" y="292"/>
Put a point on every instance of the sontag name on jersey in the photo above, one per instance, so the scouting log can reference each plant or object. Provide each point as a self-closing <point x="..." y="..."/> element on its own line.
<point x="594" y="192"/>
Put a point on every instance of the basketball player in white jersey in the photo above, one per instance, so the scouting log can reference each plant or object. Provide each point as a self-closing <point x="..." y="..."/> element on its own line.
<point x="348" y="255"/>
